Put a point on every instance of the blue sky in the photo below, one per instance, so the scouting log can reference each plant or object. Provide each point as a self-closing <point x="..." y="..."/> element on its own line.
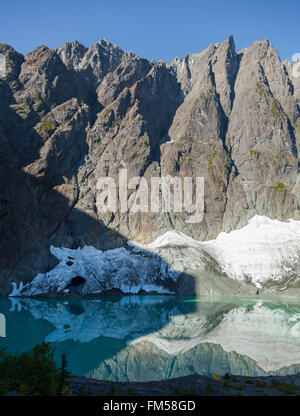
<point x="153" y="29"/>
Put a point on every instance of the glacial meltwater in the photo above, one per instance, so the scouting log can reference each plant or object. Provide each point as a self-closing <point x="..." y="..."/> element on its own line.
<point x="140" y="338"/>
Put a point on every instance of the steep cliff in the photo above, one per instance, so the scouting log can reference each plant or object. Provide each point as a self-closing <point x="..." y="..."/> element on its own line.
<point x="72" y="115"/>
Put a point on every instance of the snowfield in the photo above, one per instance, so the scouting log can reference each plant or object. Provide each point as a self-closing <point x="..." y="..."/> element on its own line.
<point x="264" y="249"/>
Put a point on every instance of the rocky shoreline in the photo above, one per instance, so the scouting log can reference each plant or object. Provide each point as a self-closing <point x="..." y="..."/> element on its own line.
<point x="192" y="385"/>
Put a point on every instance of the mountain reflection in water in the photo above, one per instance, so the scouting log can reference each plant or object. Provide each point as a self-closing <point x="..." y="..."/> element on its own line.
<point x="139" y="338"/>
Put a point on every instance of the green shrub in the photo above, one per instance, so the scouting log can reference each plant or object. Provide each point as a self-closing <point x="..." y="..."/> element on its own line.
<point x="275" y="383"/>
<point x="33" y="373"/>
<point x="46" y="127"/>
<point x="129" y="391"/>
<point x="259" y="383"/>
<point x="254" y="152"/>
<point x="280" y="187"/>
<point x="276" y="109"/>
<point x="62" y="377"/>
<point x="286" y="388"/>
<point x="239" y="387"/>
<point x="209" y="388"/>
<point x="190" y="391"/>
<point x="46" y="124"/>
<point x="226" y="385"/>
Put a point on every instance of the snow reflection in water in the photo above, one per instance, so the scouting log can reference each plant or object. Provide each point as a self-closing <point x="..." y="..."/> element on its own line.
<point x="156" y="337"/>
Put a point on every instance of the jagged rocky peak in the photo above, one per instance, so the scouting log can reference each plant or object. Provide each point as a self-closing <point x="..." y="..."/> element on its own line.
<point x="224" y="68"/>
<point x="14" y="61"/>
<point x="263" y="129"/>
<point x="101" y="58"/>
<point x="96" y="61"/>
<point x="72" y="53"/>
<point x="189" y="68"/>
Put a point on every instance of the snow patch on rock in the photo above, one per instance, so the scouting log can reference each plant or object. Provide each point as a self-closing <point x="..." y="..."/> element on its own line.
<point x="264" y="249"/>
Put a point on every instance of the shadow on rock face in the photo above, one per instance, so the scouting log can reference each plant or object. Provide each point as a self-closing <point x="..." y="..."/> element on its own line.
<point x="38" y="196"/>
<point x="36" y="213"/>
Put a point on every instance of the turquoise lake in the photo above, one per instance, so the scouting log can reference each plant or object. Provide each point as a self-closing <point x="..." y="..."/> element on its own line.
<point x="140" y="338"/>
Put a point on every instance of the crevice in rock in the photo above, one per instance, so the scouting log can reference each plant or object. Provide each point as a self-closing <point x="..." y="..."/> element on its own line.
<point x="224" y="127"/>
<point x="293" y="137"/>
<point x="239" y="57"/>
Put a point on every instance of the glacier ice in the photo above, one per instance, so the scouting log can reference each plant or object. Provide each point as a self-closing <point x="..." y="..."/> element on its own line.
<point x="261" y="251"/>
<point x="101" y="271"/>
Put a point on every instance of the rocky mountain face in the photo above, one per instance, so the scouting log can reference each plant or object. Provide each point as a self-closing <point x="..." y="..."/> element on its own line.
<point x="72" y="115"/>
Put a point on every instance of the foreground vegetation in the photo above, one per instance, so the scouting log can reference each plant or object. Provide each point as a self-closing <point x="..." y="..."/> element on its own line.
<point x="33" y="373"/>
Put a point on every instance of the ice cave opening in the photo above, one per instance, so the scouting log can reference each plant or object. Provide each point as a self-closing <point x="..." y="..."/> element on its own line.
<point x="76" y="285"/>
